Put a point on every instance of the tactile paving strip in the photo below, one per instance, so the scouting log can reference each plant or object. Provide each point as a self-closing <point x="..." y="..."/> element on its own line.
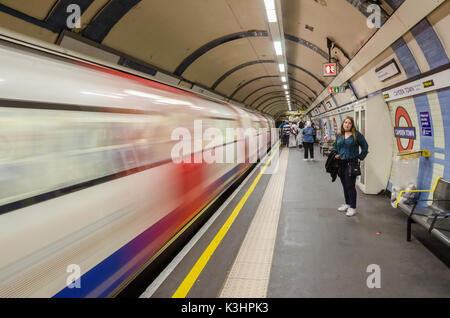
<point x="249" y="275"/>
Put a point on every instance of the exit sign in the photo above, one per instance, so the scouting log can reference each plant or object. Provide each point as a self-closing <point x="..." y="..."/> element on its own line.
<point x="336" y="89"/>
<point x="329" y="69"/>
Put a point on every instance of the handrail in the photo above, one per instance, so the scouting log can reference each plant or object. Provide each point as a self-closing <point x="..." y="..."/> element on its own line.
<point x="406" y="153"/>
<point x="403" y="191"/>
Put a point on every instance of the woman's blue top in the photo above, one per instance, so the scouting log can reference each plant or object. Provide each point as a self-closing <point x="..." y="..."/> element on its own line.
<point x="348" y="149"/>
<point x="308" y="134"/>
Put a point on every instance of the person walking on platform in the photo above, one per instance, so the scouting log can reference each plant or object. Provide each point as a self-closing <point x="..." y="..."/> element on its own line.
<point x="300" y="135"/>
<point x="315" y="132"/>
<point x="347" y="147"/>
<point x="293" y="136"/>
<point x="281" y="132"/>
<point x="286" y="133"/>
<point x="308" y="141"/>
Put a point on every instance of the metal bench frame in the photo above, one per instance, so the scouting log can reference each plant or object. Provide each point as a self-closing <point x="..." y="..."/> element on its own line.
<point x="415" y="217"/>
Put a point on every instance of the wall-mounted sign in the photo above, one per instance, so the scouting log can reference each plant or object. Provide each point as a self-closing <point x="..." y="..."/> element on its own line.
<point x="336" y="89"/>
<point x="408" y="132"/>
<point x="405" y="132"/>
<point x="387" y="70"/>
<point x="294" y="113"/>
<point x="329" y="106"/>
<point x="425" y="124"/>
<point x="420" y="86"/>
<point x="329" y="69"/>
<point x="428" y="84"/>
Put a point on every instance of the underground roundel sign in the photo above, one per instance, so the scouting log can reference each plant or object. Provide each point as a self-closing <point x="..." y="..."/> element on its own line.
<point x="404" y="131"/>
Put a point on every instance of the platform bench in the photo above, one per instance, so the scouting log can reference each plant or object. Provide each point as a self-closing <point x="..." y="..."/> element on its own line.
<point x="434" y="217"/>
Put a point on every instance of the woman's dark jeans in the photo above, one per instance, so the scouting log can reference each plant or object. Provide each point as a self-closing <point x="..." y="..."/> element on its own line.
<point x="348" y="182"/>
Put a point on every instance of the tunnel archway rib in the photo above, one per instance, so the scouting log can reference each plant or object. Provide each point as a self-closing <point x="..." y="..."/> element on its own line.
<point x="315" y="48"/>
<point x="294" y="97"/>
<point x="237" y="68"/>
<point x="111" y="14"/>
<point x="255" y="91"/>
<point x="249" y="82"/>
<point x="278" y="110"/>
<point x="322" y="83"/>
<point x="278" y="114"/>
<point x="299" y="97"/>
<point x="283" y="97"/>
<point x="272" y="92"/>
<point x="275" y="106"/>
<point x="214" y="43"/>
<point x="297" y="81"/>
<point x="362" y="7"/>
<point x="308" y="44"/>
<point x="290" y="37"/>
<point x="277" y="102"/>
<point x="55" y="20"/>
<point x="291" y="77"/>
<point x="270" y="109"/>
<point x="269" y="99"/>
<point x="58" y="15"/>
<point x="309" y="98"/>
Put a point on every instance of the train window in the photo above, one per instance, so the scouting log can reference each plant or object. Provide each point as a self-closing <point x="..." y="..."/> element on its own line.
<point x="55" y="149"/>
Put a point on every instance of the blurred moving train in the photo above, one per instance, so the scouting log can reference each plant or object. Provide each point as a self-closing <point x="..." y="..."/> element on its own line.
<point x="88" y="188"/>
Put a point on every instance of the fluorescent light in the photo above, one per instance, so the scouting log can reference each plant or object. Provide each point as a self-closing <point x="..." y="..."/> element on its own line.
<point x="270" y="4"/>
<point x="278" y="50"/>
<point x="283" y="79"/>
<point x="270" y="9"/>
<point x="281" y="66"/>
<point x="284" y="86"/>
<point x="272" y="16"/>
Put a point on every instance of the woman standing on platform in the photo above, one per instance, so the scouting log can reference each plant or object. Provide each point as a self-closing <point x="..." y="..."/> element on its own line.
<point x="347" y="146"/>
<point x="308" y="141"/>
<point x="293" y="136"/>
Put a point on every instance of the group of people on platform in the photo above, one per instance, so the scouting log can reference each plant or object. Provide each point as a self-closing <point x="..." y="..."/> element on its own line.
<point x="303" y="134"/>
<point x="345" y="155"/>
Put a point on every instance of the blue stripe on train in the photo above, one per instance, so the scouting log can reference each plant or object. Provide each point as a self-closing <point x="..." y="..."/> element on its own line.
<point x="100" y="280"/>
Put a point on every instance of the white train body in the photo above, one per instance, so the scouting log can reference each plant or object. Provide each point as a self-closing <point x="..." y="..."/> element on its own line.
<point x="87" y="183"/>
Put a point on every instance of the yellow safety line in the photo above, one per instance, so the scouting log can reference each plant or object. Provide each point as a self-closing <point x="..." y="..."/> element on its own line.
<point x="190" y="279"/>
<point x="401" y="192"/>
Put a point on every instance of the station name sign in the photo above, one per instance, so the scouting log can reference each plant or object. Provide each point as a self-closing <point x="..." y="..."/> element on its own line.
<point x="405" y="132"/>
<point x="426" y="84"/>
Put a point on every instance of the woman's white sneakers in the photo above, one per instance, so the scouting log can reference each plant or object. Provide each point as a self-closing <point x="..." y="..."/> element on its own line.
<point x="346" y="208"/>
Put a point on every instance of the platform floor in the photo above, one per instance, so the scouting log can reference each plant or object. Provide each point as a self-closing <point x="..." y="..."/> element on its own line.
<point x="307" y="248"/>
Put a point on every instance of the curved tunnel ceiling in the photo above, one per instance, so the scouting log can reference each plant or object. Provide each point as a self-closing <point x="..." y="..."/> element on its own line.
<point x="221" y="45"/>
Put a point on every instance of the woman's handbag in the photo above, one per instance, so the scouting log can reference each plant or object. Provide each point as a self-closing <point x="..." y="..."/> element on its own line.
<point x="354" y="169"/>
